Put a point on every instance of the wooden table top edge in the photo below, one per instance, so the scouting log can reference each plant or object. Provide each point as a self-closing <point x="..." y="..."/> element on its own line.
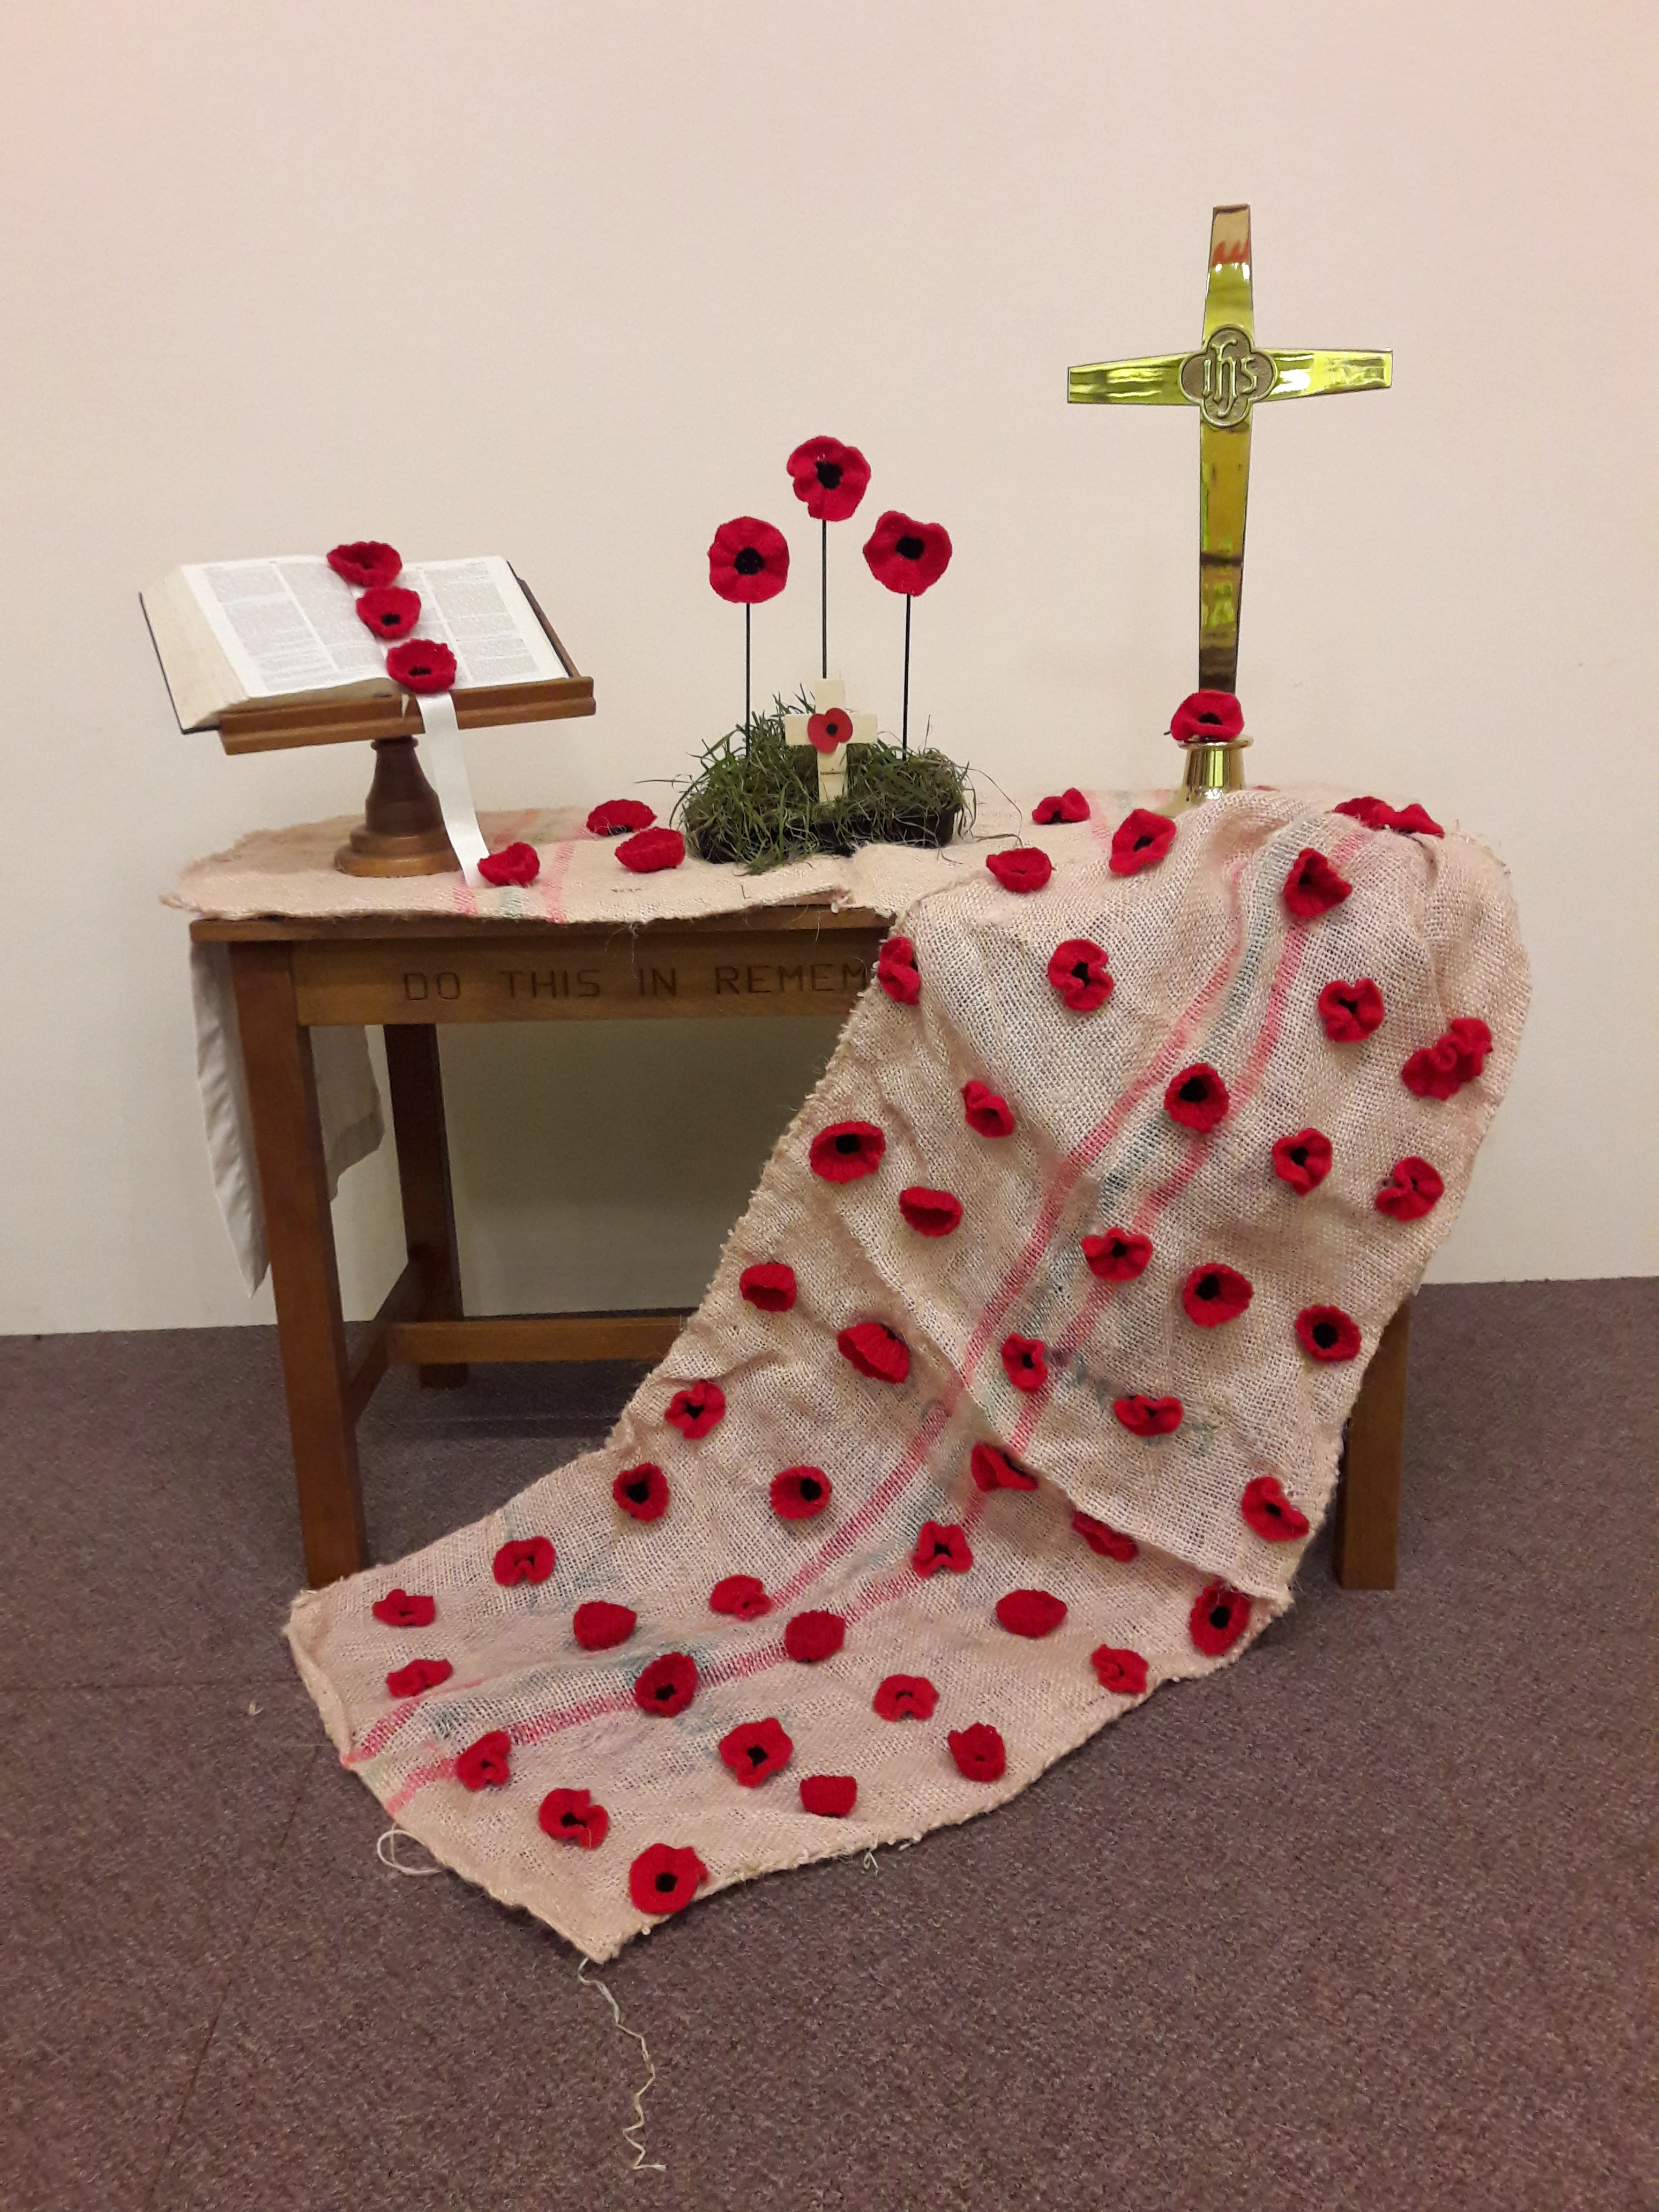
<point x="795" y="916"/>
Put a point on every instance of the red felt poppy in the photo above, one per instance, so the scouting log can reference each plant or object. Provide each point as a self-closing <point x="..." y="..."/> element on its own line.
<point x="1118" y="1256"/>
<point x="832" y="1796"/>
<point x="570" y="1816"/>
<point x="1120" y="1671"/>
<point x="1326" y="1333"/>
<point x="979" y="1751"/>
<point x="1212" y="1294"/>
<point x="1077" y="969"/>
<point x="769" y="1285"/>
<point x="401" y="1608"/>
<point x="366" y="562"/>
<point x="421" y="664"/>
<point x="1313" y="885"/>
<point x="650" y="851"/>
<point x="1374" y="813"/>
<point x="599" y="1625"/>
<point x="668" y="1685"/>
<point x="831" y="728"/>
<point x="1269" y="1512"/>
<point x="696" y="1409"/>
<point x="876" y="1351"/>
<point x="896" y="971"/>
<point x="486" y="1764"/>
<point x="1148" y="1417"/>
<point x="800" y="1493"/>
<point x="1197" y="1097"/>
<point x="754" y="1751"/>
<point x="615" y="816"/>
<point x="389" y="610"/>
<point x="1350" y="1011"/>
<point x="514" y="864"/>
<point x="1415" y="821"/>
<point x="995" y="1467"/>
<point x="1220" y="1617"/>
<point x="420" y="1674"/>
<point x="1412" y="1188"/>
<point x="1031" y="1612"/>
<point x="1141" y="841"/>
<point x="906" y="556"/>
<point x="748" y="561"/>
<point x="743" y="1597"/>
<point x="1110" y="1543"/>
<point x="1303" y="1161"/>
<point x="990" y="1115"/>
<point x="1068" y="806"/>
<point x="1206" y="718"/>
<point x="527" y="1559"/>
<point x="1474" y="1041"/>
<point x="906" y="1698"/>
<point x="664" y="1879"/>
<point x="1022" y="868"/>
<point x="811" y="1637"/>
<point x="1025" y="1362"/>
<point x="832" y="478"/>
<point x="642" y="1492"/>
<point x="941" y="1545"/>
<point x="845" y="1151"/>
<point x="1456" y="1057"/>
<point x="930" y="1213"/>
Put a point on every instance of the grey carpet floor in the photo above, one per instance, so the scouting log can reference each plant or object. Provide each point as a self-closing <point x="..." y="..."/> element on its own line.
<point x="1355" y="1925"/>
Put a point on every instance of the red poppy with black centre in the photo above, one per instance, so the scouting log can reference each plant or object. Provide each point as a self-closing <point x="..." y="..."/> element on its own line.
<point x="1220" y="1617"/>
<point x="1351" y="1011"/>
<point x="1077" y="970"/>
<point x="800" y="1493"/>
<point x="1212" y="1294"/>
<point x="570" y="1816"/>
<point x="696" y="1410"/>
<point x="1030" y="1612"/>
<point x="1303" y="1161"/>
<point x="486" y="1764"/>
<point x="613" y="817"/>
<point x="811" y="1637"/>
<point x="941" y="1545"/>
<point x="1374" y="813"/>
<point x="1118" y="1255"/>
<point x="993" y="1466"/>
<point x="748" y="561"/>
<point x="1415" y="821"/>
<point x="1412" y="1189"/>
<point x="1148" y="1417"/>
<point x="418" y="665"/>
<point x="1197" y="1097"/>
<point x="1207" y="717"/>
<point x="650" y="851"/>
<point x="1313" y="885"/>
<point x="641" y="1491"/>
<point x="845" y="1151"/>
<point x="389" y="610"/>
<point x="906" y="556"/>
<point x="1326" y="1333"/>
<point x="1270" y="1513"/>
<point x="367" y="563"/>
<point x="831" y="1796"/>
<point x="769" y="1285"/>
<point x="742" y="1597"/>
<point x="401" y="1608"/>
<point x="599" y="1625"/>
<point x="526" y="1559"/>
<point x="876" y="1351"/>
<point x="930" y="1213"/>
<point x="906" y="1698"/>
<point x="979" y="1751"/>
<point x="1025" y="1362"/>
<point x="664" y="1879"/>
<point x="668" y="1685"/>
<point x="831" y="728"/>
<point x="896" y="971"/>
<point x="1026" y="868"/>
<point x="991" y="1116"/>
<point x="1119" y="1670"/>
<point x="1110" y="1543"/>
<point x="754" y="1751"/>
<point x="519" y="864"/>
<point x="419" y="1676"/>
<point x="1456" y="1057"/>
<point x="1068" y="806"/>
<point x="1141" y="841"/>
<point x="832" y="478"/>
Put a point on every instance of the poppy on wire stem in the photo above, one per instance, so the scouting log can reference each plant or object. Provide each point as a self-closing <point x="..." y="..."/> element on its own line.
<point x="831" y="478"/>
<point x="906" y="556"/>
<point x="748" y="564"/>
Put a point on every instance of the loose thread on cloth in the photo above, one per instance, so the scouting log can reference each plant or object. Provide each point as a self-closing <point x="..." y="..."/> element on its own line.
<point x="388" y="1857"/>
<point x="636" y="2125"/>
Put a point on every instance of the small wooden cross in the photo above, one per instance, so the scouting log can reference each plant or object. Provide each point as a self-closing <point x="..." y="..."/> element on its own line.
<point x="830" y="729"/>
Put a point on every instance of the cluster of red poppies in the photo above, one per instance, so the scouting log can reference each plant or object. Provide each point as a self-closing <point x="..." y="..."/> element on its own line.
<point x="749" y="559"/>
<point x="387" y="611"/>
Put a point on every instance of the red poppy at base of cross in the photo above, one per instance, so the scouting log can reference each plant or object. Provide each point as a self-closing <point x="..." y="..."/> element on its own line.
<point x="1207" y="717"/>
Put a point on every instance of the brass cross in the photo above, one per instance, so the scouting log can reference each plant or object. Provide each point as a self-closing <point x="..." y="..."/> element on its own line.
<point x="1224" y="382"/>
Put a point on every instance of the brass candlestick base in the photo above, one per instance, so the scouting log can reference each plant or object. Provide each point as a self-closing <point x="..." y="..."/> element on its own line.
<point x="1210" y="768"/>
<point x="402" y="832"/>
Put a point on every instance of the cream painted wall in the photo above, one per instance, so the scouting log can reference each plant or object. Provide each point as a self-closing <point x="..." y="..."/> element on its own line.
<point x="568" y="282"/>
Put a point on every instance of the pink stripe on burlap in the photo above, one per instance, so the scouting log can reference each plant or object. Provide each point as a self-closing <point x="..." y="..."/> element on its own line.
<point x="550" y="885"/>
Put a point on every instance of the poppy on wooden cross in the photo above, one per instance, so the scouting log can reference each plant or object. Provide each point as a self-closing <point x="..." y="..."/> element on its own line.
<point x="830" y="729"/>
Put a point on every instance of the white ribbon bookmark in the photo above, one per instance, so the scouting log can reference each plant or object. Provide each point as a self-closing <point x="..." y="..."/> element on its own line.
<point x="445" y="765"/>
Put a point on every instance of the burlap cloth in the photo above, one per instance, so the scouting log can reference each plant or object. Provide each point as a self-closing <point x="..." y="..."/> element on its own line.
<point x="1209" y="966"/>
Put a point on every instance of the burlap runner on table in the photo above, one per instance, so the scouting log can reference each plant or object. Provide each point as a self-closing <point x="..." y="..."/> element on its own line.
<point x="1210" y="965"/>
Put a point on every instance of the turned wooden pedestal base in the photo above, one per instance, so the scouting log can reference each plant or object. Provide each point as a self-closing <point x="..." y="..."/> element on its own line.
<point x="402" y="832"/>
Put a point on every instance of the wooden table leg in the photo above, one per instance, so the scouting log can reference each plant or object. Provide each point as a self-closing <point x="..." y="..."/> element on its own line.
<point x="288" y="1140"/>
<point x="1366" y="1532"/>
<point x="415" y="1075"/>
